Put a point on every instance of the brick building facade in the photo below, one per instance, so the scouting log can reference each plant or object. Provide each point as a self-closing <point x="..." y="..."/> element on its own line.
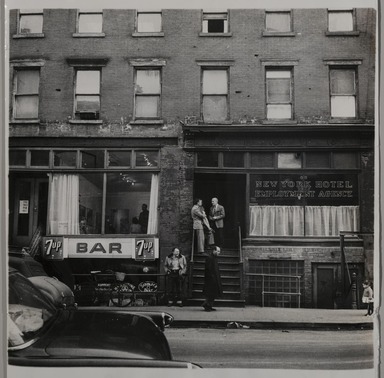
<point x="270" y="111"/>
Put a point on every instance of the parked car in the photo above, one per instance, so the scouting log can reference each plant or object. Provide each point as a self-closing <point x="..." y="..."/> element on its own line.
<point x="43" y="334"/>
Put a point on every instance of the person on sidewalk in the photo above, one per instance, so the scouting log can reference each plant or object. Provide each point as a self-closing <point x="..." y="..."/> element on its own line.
<point x="368" y="297"/>
<point x="212" y="281"/>
<point x="199" y="221"/>
<point x="175" y="267"/>
<point x="216" y="216"/>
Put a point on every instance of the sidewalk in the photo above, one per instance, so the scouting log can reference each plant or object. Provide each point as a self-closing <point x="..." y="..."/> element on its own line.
<point x="264" y="317"/>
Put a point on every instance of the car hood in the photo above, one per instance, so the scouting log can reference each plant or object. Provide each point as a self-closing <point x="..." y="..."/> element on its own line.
<point x="107" y="335"/>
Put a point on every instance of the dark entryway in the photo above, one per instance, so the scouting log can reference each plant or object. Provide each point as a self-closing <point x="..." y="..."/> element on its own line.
<point x="230" y="190"/>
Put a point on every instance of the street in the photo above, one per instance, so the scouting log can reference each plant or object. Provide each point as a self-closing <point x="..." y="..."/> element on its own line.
<point x="276" y="349"/>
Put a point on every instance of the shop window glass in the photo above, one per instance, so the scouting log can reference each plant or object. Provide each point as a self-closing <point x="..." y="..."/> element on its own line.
<point x="92" y="159"/>
<point x="148" y="22"/>
<point x="30" y="21"/>
<point x="344" y="160"/>
<point x="64" y="158"/>
<point x="119" y="158"/>
<point x="207" y="159"/>
<point x="17" y="158"/>
<point x="26" y="94"/>
<point x="278" y="22"/>
<point x="147" y="158"/>
<point x="233" y="159"/>
<point x="39" y="158"/>
<point x="289" y="160"/>
<point x="262" y="159"/>
<point x="317" y="160"/>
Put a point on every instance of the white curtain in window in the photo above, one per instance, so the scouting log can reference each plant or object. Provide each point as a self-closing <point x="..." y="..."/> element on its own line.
<point x="153" y="204"/>
<point x="276" y="221"/>
<point x="63" y="209"/>
<point x="329" y="220"/>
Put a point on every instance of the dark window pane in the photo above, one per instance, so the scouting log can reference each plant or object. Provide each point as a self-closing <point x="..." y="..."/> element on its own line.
<point x="119" y="158"/>
<point x="262" y="159"/>
<point x="216" y="26"/>
<point x="92" y="159"/>
<point x="207" y="159"/>
<point x="317" y="160"/>
<point x="17" y="158"/>
<point x="234" y="159"/>
<point x="39" y="158"/>
<point x="65" y="158"/>
<point x="344" y="160"/>
<point x="147" y="158"/>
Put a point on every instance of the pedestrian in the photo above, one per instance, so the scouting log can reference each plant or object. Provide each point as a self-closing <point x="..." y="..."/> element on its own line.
<point x="368" y="297"/>
<point x="216" y="216"/>
<point x="212" y="281"/>
<point x="199" y="221"/>
<point x="143" y="218"/>
<point x="175" y="267"/>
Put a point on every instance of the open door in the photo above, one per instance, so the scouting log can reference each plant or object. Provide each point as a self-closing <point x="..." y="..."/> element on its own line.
<point x="230" y="190"/>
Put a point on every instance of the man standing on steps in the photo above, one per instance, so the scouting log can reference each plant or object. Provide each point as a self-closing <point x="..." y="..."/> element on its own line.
<point x="212" y="281"/>
<point x="216" y="216"/>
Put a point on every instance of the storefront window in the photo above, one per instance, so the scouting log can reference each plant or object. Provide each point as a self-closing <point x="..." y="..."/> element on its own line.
<point x="207" y="159"/>
<point x="317" y="160"/>
<point x="147" y="158"/>
<point x="64" y="159"/>
<point x="92" y="159"/>
<point x="234" y="159"/>
<point x="39" y="158"/>
<point x="119" y="158"/>
<point x="262" y="159"/>
<point x="17" y="158"/>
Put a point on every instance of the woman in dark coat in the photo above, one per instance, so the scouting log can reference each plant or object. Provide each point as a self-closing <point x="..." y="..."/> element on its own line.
<point x="212" y="281"/>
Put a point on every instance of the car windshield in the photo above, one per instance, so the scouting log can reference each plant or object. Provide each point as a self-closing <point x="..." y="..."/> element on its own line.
<point x="28" y="312"/>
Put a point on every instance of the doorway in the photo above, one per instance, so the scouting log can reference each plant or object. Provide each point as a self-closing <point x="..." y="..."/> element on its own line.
<point x="28" y="203"/>
<point x="230" y="190"/>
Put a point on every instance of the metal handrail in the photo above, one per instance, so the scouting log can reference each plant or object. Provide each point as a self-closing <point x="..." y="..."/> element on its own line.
<point x="240" y="246"/>
<point x="193" y="245"/>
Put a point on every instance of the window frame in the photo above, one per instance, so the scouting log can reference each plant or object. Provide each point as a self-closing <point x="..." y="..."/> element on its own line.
<point x="79" y="34"/>
<point x="202" y="95"/>
<point x="29" y="12"/>
<point x="353" y="32"/>
<point x="287" y="33"/>
<point x="211" y="14"/>
<point x="285" y="68"/>
<point x="354" y="69"/>
<point x="75" y="94"/>
<point x="138" y="33"/>
<point x="16" y="69"/>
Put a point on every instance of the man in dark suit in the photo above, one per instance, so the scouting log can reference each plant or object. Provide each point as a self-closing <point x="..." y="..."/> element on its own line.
<point x="212" y="281"/>
<point x="216" y="216"/>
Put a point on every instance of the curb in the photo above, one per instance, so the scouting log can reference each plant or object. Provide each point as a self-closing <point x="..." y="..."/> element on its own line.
<point x="271" y="325"/>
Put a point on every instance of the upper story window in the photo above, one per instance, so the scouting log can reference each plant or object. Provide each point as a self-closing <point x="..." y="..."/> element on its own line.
<point x="89" y="23"/>
<point x="149" y="21"/>
<point x="26" y="94"/>
<point x="147" y="93"/>
<point x="87" y="94"/>
<point x="278" y="21"/>
<point x="343" y="92"/>
<point x="215" y="97"/>
<point x="279" y="96"/>
<point x="30" y="23"/>
<point x="340" y="20"/>
<point x="215" y="22"/>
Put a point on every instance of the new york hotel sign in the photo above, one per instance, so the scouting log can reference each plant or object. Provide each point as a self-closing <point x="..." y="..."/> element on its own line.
<point x="62" y="247"/>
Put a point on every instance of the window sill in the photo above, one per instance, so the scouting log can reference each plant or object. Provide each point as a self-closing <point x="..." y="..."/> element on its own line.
<point x="342" y="34"/>
<point x="279" y="122"/>
<point x="147" y="122"/>
<point x="215" y="34"/>
<point x="215" y="123"/>
<point x="31" y="35"/>
<point x="345" y="120"/>
<point x="278" y="34"/>
<point x="88" y="35"/>
<point x="154" y="34"/>
<point x="85" y="122"/>
<point x="24" y="121"/>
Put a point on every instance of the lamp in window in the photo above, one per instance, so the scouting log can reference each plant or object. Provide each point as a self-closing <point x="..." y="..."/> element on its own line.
<point x="126" y="178"/>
